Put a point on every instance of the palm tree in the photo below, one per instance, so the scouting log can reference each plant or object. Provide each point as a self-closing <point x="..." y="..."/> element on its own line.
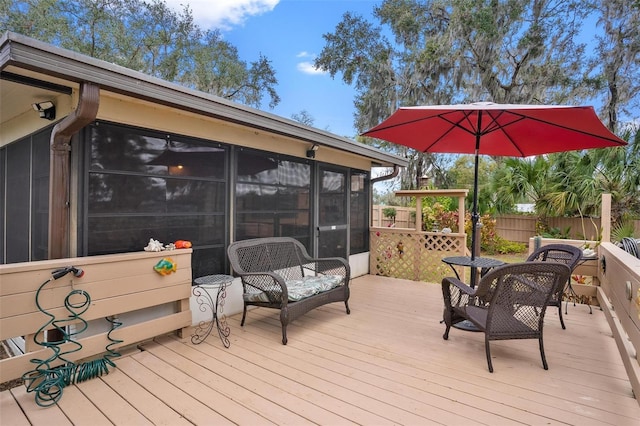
<point x="581" y="177"/>
<point x="523" y="180"/>
<point x="574" y="186"/>
<point x="618" y="175"/>
<point x="571" y="183"/>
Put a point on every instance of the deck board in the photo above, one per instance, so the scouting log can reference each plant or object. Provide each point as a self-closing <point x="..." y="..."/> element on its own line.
<point x="80" y="409"/>
<point x="475" y="381"/>
<point x="334" y="391"/>
<point x="312" y="405"/>
<point x="170" y="393"/>
<point x="145" y="402"/>
<point x="354" y="378"/>
<point x="386" y="363"/>
<point x="216" y="399"/>
<point x="403" y="378"/>
<point x="37" y="415"/>
<point x="195" y="363"/>
<point x="110" y="403"/>
<point x="10" y="411"/>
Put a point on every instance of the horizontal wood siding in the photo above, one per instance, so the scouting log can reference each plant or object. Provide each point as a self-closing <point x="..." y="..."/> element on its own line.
<point x="118" y="285"/>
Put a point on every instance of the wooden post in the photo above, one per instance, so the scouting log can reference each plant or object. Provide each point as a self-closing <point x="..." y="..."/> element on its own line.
<point x="418" y="213"/>
<point x="461" y="214"/>
<point x="420" y="194"/>
<point x="605" y="218"/>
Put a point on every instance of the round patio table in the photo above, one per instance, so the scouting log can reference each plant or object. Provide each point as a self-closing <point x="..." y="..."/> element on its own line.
<point x="484" y="264"/>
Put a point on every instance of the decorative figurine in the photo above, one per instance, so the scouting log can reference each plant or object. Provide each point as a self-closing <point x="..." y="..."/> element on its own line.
<point x="180" y="244"/>
<point x="165" y="266"/>
<point x="154" y="245"/>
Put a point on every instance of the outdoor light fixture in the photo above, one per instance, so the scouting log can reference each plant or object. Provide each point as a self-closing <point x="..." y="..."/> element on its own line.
<point x="46" y="109"/>
<point x="311" y="152"/>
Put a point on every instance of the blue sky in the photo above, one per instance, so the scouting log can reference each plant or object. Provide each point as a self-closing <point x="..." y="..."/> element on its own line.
<point x="289" y="33"/>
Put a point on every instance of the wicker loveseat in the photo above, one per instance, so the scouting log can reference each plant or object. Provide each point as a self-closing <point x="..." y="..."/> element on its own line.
<point x="278" y="273"/>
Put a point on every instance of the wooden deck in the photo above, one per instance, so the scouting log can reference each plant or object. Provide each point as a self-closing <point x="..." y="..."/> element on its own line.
<point x="386" y="363"/>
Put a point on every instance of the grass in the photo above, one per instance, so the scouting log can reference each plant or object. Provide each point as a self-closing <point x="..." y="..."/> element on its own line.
<point x="508" y="258"/>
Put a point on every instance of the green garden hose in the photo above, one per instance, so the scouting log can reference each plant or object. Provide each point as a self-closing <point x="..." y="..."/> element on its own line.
<point x="48" y="382"/>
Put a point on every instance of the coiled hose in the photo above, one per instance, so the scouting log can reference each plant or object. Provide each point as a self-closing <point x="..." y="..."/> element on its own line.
<point x="48" y="382"/>
<point x="631" y="246"/>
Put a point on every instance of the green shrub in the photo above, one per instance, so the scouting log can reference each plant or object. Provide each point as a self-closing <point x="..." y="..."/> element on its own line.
<point x="507" y="247"/>
<point x="558" y="233"/>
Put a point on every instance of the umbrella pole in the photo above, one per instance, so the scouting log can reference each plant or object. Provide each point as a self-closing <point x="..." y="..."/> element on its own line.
<point x="475" y="217"/>
<point x="474" y="214"/>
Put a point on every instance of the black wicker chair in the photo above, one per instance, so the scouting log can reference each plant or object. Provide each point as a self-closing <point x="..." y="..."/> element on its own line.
<point x="509" y="302"/>
<point x="561" y="253"/>
<point x="278" y="273"/>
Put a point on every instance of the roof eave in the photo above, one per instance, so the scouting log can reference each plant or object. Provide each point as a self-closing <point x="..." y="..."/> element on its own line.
<point x="31" y="54"/>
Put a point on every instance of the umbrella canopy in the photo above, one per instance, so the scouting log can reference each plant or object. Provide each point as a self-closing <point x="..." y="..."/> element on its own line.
<point x="495" y="129"/>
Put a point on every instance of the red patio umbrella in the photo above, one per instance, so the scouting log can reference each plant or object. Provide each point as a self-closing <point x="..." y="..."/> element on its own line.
<point x="495" y="129"/>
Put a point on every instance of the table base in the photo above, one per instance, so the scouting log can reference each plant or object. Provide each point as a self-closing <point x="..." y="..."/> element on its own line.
<point x="205" y="302"/>
<point x="466" y="325"/>
<point x="572" y="293"/>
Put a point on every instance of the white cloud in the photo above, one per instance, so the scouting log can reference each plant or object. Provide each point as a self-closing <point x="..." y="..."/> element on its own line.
<point x="309" y="68"/>
<point x="223" y="14"/>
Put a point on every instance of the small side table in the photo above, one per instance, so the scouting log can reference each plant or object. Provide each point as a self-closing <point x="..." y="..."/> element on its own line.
<point x="205" y="301"/>
<point x="570" y="291"/>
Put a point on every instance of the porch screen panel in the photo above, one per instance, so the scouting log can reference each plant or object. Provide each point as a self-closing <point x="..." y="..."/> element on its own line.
<point x="18" y="201"/>
<point x="3" y="168"/>
<point x="143" y="185"/>
<point x="40" y="196"/>
<point x="359" y="212"/>
<point x="24" y="198"/>
<point x="333" y="217"/>
<point x="272" y="196"/>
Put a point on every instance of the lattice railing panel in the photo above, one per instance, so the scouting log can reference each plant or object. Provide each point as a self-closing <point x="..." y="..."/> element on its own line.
<point x="413" y="255"/>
